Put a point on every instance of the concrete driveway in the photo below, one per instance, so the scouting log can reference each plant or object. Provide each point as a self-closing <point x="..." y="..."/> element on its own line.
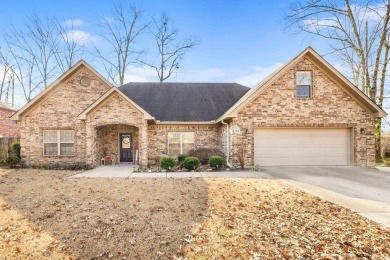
<point x="365" y="191"/>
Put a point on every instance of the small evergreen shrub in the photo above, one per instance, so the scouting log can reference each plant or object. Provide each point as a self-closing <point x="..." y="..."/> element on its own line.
<point x="12" y="161"/>
<point x="181" y="158"/>
<point x="216" y="161"/>
<point x="203" y="154"/>
<point x="167" y="163"/>
<point x="15" y="147"/>
<point x="191" y="163"/>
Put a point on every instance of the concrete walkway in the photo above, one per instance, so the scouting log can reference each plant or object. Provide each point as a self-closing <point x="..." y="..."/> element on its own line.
<point x="127" y="171"/>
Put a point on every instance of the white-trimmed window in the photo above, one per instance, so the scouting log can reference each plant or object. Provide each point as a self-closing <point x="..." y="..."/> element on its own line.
<point x="303" y="84"/>
<point x="180" y="142"/>
<point x="58" y="142"/>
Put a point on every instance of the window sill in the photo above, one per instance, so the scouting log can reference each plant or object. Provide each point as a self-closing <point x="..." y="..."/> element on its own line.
<point x="59" y="155"/>
<point x="304" y="98"/>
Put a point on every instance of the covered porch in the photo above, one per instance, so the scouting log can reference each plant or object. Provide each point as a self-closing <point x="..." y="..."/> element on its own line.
<point x="118" y="141"/>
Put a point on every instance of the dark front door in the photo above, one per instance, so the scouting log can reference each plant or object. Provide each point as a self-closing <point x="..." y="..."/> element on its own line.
<point x="126" y="147"/>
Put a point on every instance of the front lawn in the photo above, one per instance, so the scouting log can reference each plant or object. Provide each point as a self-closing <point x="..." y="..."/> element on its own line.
<point x="45" y="215"/>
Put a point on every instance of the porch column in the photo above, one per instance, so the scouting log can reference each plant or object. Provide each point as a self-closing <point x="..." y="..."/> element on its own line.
<point x="91" y="146"/>
<point x="143" y="136"/>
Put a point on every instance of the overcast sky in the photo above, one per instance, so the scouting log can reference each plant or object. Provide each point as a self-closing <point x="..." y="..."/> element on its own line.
<point x="239" y="41"/>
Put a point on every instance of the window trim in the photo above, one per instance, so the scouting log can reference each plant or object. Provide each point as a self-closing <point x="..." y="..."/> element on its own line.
<point x="310" y="85"/>
<point x="181" y="139"/>
<point x="58" y="143"/>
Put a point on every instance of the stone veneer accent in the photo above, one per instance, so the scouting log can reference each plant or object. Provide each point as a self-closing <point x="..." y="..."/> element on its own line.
<point x="206" y="136"/>
<point x="59" y="110"/>
<point x="329" y="106"/>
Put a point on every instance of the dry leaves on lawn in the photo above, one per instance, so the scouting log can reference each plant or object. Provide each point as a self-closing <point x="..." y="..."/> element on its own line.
<point x="45" y="215"/>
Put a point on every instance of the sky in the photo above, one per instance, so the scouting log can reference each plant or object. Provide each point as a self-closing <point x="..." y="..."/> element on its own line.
<point x="238" y="41"/>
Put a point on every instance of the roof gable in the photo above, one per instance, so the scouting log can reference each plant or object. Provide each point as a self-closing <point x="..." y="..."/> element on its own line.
<point x="184" y="102"/>
<point x="92" y="107"/>
<point x="335" y="75"/>
<point x="55" y="85"/>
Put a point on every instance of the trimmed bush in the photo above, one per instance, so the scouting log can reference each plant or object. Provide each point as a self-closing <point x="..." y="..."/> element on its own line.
<point x="15" y="147"/>
<point x="216" y="161"/>
<point x="191" y="163"/>
<point x="181" y="158"/>
<point x="12" y="161"/>
<point x="205" y="153"/>
<point x="167" y="163"/>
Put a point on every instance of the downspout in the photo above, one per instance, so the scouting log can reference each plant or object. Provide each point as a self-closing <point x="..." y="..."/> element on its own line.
<point x="227" y="145"/>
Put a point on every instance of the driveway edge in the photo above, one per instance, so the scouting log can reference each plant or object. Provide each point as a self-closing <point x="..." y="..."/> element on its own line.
<point x="373" y="210"/>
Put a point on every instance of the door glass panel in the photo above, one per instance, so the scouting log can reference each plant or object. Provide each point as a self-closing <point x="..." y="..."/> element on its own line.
<point x="126" y="141"/>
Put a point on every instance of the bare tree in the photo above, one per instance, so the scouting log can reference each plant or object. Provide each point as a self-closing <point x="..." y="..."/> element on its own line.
<point x="70" y="47"/>
<point x="170" y="50"/>
<point x="5" y="71"/>
<point x="121" y="32"/>
<point x="36" y="41"/>
<point x="25" y="73"/>
<point x="359" y="37"/>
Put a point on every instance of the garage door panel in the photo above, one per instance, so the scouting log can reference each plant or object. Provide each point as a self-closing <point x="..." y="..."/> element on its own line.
<point x="302" y="146"/>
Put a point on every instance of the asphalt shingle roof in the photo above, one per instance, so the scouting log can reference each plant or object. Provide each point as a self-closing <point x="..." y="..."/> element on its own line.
<point x="184" y="101"/>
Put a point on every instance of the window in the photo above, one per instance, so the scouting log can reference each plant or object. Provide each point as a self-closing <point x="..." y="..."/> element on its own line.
<point x="58" y="142"/>
<point x="180" y="142"/>
<point x="303" y="83"/>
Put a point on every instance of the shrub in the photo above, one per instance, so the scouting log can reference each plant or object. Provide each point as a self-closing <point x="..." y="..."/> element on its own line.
<point x="15" y="147"/>
<point x="205" y="153"/>
<point x="12" y="161"/>
<point x="191" y="163"/>
<point x="167" y="163"/>
<point x="216" y="161"/>
<point x="181" y="158"/>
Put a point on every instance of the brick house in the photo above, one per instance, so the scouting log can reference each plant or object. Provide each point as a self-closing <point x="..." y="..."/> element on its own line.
<point x="305" y="113"/>
<point x="7" y="127"/>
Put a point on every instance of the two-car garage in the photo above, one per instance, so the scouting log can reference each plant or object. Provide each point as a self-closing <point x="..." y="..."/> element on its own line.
<point x="302" y="146"/>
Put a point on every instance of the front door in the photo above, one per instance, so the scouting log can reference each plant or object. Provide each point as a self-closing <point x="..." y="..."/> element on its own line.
<point x="126" y="147"/>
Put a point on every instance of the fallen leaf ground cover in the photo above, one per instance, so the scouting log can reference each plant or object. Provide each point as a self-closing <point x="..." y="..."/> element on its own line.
<point x="43" y="214"/>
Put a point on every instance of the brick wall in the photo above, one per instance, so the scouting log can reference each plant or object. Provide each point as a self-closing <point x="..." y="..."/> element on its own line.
<point x="206" y="136"/>
<point x="329" y="106"/>
<point x="107" y="140"/>
<point x="7" y="128"/>
<point x="116" y="114"/>
<point x="59" y="111"/>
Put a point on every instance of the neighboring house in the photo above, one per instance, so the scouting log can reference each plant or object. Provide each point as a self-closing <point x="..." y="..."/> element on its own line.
<point x="305" y="113"/>
<point x="7" y="127"/>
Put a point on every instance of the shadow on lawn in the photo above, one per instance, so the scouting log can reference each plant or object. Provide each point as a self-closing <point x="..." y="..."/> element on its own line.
<point x="109" y="218"/>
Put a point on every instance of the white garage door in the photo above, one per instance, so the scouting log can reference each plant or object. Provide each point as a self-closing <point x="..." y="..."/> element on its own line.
<point x="302" y="146"/>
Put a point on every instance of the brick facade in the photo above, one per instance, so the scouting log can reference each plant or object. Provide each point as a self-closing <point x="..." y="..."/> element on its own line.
<point x="108" y="143"/>
<point x="206" y="136"/>
<point x="7" y="127"/>
<point x="329" y="106"/>
<point x="98" y="134"/>
<point x="59" y="110"/>
<point x="118" y="116"/>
